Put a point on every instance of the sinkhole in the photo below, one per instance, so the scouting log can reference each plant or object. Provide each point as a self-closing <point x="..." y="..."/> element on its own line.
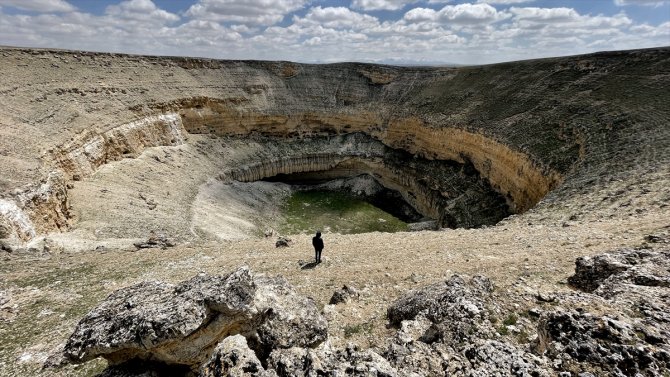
<point x="254" y="170"/>
<point x="348" y="205"/>
<point x="354" y="184"/>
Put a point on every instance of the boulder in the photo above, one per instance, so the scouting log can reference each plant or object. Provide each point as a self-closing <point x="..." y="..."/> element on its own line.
<point x="417" y="358"/>
<point x="344" y="295"/>
<point x="300" y="362"/>
<point x="155" y="241"/>
<point x="181" y="324"/>
<point x="445" y="329"/>
<point x="604" y="344"/>
<point x="636" y="279"/>
<point x="283" y="242"/>
<point x="495" y="358"/>
<point x="233" y="357"/>
<point x="590" y="272"/>
<point x="632" y="281"/>
<point x="454" y="299"/>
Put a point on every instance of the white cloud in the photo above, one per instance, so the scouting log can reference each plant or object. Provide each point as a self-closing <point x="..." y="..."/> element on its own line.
<point x="381" y="4"/>
<point x="470" y="13"/>
<point x="460" y="33"/>
<point x="567" y="19"/>
<point x="545" y="14"/>
<point x="337" y="18"/>
<point x="140" y="10"/>
<point x="651" y="3"/>
<point x="418" y="15"/>
<point x="250" y="12"/>
<point x="45" y="6"/>
<point x="460" y="14"/>
<point x="504" y="2"/>
<point x="130" y="26"/>
<point x="662" y="30"/>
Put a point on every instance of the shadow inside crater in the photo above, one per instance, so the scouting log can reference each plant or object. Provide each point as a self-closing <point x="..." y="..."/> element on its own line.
<point x="410" y="187"/>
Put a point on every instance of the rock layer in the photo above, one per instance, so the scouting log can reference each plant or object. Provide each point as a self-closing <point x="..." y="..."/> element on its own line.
<point x="453" y="194"/>
<point x="512" y="173"/>
<point x="525" y="127"/>
<point x="84" y="155"/>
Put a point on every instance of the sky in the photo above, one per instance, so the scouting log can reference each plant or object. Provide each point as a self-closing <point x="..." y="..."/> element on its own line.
<point x="325" y="31"/>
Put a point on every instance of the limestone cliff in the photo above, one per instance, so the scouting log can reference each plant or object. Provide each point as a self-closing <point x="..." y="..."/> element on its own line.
<point x="525" y="127"/>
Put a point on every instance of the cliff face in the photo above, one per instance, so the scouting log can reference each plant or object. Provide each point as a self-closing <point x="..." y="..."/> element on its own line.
<point x="452" y="193"/>
<point x="525" y="127"/>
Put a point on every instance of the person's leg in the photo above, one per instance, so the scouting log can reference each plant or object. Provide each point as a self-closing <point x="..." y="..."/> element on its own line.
<point x="319" y="256"/>
<point x="316" y="255"/>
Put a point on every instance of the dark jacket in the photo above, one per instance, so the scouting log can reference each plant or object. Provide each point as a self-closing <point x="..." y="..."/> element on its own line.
<point x="317" y="242"/>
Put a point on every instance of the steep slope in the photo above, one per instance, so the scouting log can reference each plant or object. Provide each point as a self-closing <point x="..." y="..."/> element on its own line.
<point x="579" y="124"/>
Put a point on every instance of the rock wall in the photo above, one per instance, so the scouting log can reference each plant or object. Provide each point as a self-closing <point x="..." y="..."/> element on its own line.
<point x="82" y="156"/>
<point x="44" y="207"/>
<point x="526" y="127"/>
<point x="452" y="193"/>
<point x="38" y="208"/>
<point x="514" y="174"/>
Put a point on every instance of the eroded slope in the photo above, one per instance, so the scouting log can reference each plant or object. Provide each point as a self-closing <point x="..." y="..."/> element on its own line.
<point x="590" y="122"/>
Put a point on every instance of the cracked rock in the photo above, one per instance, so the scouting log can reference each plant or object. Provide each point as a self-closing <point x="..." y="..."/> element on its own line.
<point x="181" y="324"/>
<point x="451" y="299"/>
<point x="610" y="346"/>
<point x="344" y="295"/>
<point x="233" y="358"/>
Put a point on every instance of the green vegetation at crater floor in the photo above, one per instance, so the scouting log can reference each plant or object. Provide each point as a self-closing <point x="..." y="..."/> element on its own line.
<point x="307" y="211"/>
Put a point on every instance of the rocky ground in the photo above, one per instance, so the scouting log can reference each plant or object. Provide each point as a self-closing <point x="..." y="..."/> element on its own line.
<point x="528" y="265"/>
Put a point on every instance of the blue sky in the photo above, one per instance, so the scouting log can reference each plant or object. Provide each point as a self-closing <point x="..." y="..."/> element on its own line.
<point x="389" y="31"/>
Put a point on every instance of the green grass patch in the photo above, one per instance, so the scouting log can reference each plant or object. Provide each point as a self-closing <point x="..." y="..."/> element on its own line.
<point x="510" y="320"/>
<point x="359" y="328"/>
<point x="308" y="211"/>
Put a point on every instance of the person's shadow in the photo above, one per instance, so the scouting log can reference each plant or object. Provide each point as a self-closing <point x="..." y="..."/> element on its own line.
<point x="309" y="266"/>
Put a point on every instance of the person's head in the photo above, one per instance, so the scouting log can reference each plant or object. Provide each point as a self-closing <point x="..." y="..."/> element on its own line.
<point x="318" y="233"/>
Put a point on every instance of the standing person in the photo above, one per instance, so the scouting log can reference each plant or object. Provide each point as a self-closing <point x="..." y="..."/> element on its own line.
<point x="317" y="242"/>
